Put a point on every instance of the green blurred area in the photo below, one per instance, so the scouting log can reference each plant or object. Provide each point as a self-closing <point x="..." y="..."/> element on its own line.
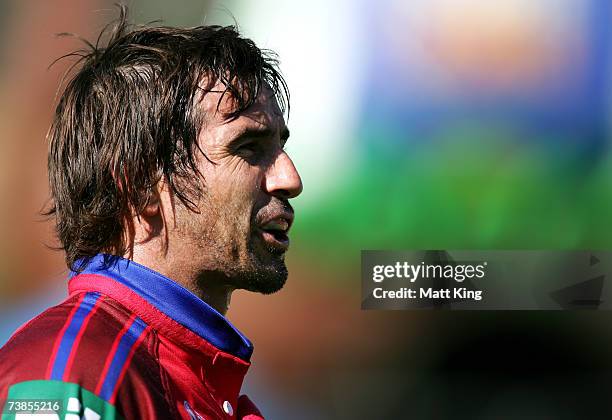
<point x="469" y="189"/>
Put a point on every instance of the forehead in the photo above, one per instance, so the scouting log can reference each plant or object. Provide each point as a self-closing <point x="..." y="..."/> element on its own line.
<point x="263" y="114"/>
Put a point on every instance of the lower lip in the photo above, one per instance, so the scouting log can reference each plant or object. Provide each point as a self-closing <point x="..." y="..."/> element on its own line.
<point x="279" y="242"/>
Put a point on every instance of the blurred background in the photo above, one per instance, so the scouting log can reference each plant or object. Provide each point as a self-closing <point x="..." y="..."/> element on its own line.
<point x="422" y="124"/>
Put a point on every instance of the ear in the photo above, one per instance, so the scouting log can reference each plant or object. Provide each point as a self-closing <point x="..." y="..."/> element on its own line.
<point x="152" y="208"/>
<point x="149" y="223"/>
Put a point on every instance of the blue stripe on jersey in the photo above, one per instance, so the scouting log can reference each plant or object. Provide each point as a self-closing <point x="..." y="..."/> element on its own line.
<point x="65" y="347"/>
<point x="121" y="354"/>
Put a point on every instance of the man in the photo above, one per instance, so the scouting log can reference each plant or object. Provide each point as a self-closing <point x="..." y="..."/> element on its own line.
<point x="170" y="189"/>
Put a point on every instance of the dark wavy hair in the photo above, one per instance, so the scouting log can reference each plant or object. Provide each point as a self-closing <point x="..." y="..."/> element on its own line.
<point x="129" y="117"/>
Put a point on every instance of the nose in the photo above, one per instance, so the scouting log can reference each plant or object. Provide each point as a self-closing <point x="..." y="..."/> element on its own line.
<point x="282" y="178"/>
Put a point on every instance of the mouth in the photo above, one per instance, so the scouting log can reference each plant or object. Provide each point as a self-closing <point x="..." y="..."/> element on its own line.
<point x="275" y="231"/>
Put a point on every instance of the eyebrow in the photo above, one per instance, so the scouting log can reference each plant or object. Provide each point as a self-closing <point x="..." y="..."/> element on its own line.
<point x="259" y="133"/>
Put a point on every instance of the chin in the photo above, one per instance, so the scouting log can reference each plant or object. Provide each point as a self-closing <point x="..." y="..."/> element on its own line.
<point x="265" y="278"/>
<point x="265" y="272"/>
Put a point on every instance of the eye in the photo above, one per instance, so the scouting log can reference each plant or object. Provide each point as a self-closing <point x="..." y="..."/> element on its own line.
<point x="247" y="150"/>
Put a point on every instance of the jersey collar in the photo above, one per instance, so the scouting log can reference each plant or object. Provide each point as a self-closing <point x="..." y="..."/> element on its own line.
<point x="173" y="300"/>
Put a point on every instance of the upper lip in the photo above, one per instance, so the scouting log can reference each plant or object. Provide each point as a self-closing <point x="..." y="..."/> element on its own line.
<point x="280" y="222"/>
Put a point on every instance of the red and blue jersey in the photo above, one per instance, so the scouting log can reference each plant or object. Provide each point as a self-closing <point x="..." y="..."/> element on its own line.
<point x="127" y="343"/>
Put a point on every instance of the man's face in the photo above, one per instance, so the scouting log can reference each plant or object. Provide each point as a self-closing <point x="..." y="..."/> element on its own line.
<point x="239" y="235"/>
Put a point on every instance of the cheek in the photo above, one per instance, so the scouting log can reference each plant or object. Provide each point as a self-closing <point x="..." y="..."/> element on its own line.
<point x="236" y="186"/>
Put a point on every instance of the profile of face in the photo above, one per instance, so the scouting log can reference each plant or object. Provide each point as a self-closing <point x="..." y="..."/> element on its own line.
<point x="239" y="233"/>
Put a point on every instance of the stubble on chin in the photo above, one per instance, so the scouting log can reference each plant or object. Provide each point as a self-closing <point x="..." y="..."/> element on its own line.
<point x="268" y="276"/>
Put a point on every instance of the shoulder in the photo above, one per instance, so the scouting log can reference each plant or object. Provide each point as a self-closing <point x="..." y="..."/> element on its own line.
<point x="26" y="354"/>
<point x="89" y="345"/>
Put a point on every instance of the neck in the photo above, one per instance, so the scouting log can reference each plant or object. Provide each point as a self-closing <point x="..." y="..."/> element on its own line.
<point x="214" y="291"/>
<point x="210" y="287"/>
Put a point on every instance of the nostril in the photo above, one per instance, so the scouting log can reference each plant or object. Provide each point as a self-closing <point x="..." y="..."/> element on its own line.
<point x="283" y="193"/>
